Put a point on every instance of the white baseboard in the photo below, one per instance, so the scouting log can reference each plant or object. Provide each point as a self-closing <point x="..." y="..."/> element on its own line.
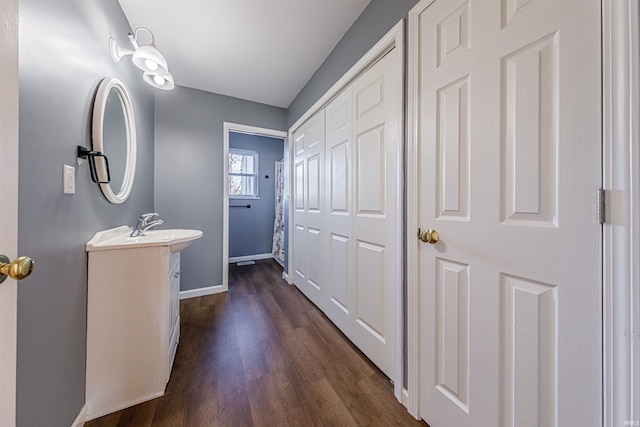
<point x="106" y="411"/>
<point x="250" y="257"/>
<point x="81" y="418"/>
<point x="286" y="277"/>
<point x="192" y="293"/>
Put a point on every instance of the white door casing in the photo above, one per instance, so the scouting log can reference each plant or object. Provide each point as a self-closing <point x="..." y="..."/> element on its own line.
<point x="508" y="124"/>
<point x="9" y="204"/>
<point x="621" y="165"/>
<point x="229" y="127"/>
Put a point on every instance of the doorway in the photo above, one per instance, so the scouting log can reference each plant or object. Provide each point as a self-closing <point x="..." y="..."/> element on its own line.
<point x="250" y="193"/>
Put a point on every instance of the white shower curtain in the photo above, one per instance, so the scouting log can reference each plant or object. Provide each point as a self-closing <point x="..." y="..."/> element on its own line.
<point x="278" y="225"/>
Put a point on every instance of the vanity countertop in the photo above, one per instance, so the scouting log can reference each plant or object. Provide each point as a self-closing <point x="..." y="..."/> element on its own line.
<point x="119" y="238"/>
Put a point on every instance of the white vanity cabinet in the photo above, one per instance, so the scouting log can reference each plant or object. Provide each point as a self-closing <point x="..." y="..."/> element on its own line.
<point x="133" y="326"/>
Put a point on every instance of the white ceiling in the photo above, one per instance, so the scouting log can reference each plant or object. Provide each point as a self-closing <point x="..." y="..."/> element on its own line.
<point x="260" y="50"/>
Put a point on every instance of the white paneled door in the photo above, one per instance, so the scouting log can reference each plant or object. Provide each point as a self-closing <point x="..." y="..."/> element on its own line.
<point x="376" y="179"/>
<point x="309" y="207"/>
<point x="8" y="204"/>
<point x="340" y="248"/>
<point x="509" y="124"/>
<point x="346" y="202"/>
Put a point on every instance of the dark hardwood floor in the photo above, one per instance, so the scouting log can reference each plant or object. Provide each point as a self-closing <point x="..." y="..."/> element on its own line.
<point x="263" y="355"/>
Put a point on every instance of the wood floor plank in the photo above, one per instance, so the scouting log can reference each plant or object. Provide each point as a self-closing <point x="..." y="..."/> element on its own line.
<point x="263" y="355"/>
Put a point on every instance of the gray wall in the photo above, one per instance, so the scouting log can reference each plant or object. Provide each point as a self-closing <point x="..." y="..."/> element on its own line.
<point x="374" y="22"/>
<point x="188" y="170"/>
<point x="63" y="56"/>
<point x="251" y="230"/>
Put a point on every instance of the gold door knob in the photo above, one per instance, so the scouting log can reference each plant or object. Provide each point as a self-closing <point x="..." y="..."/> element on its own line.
<point x="429" y="236"/>
<point x="17" y="270"/>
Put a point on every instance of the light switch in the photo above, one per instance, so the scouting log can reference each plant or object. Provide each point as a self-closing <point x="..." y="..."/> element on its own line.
<point x="69" y="179"/>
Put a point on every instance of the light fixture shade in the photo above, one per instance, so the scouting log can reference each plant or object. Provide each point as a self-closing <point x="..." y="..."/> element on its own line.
<point x="149" y="59"/>
<point x="159" y="80"/>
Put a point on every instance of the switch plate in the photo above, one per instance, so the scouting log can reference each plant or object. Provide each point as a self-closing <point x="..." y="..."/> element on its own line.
<point x="69" y="179"/>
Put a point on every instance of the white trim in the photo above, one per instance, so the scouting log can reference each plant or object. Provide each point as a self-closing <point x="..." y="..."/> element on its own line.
<point x="122" y="406"/>
<point x="9" y="141"/>
<point x="286" y="278"/>
<point x="239" y="128"/>
<point x="192" y="293"/>
<point x="393" y="39"/>
<point x="398" y="36"/>
<point x="405" y="397"/>
<point x="412" y="166"/>
<point x="255" y="174"/>
<point x="621" y="179"/>
<point x="81" y="418"/>
<point x="390" y="40"/>
<point x="99" y="108"/>
<point x="255" y="257"/>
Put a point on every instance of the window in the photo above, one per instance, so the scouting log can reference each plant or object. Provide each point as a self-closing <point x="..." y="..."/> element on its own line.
<point x="243" y="173"/>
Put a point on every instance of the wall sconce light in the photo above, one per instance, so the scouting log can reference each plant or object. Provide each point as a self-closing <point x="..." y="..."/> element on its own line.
<point x="148" y="58"/>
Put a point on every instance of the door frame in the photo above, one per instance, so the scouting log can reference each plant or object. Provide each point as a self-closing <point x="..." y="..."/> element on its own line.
<point x="9" y="128"/>
<point x="621" y="181"/>
<point x="229" y="127"/>
<point x="394" y="38"/>
<point x="621" y="231"/>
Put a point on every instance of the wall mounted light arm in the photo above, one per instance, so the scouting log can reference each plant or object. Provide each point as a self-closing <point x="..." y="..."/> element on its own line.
<point x="146" y="57"/>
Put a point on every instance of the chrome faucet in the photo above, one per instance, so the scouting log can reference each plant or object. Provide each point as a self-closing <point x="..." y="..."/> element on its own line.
<point x="145" y="223"/>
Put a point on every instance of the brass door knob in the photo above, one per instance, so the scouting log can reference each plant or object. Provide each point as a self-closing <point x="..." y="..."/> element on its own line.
<point x="17" y="270"/>
<point x="428" y="236"/>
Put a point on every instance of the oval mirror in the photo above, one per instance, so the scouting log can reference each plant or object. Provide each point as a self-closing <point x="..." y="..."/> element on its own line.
<point x="114" y="135"/>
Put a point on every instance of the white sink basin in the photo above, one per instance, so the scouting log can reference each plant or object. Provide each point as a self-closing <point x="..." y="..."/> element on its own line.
<point x="119" y="238"/>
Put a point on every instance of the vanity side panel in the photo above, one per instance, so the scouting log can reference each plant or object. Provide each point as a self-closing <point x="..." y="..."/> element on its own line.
<point x="126" y="321"/>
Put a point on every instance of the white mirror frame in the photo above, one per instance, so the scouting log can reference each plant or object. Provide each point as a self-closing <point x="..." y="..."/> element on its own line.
<point x="104" y="89"/>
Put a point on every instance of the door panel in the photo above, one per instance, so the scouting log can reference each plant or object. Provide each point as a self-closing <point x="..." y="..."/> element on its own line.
<point x="309" y="203"/>
<point x="530" y="118"/>
<point x="374" y="224"/>
<point x="370" y="176"/>
<point x="509" y="125"/>
<point x="452" y="188"/>
<point x="530" y="323"/>
<point x="339" y="216"/>
<point x="452" y="331"/>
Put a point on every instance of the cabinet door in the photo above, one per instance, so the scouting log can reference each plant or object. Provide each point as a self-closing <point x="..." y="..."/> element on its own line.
<point x="174" y="311"/>
<point x="174" y="291"/>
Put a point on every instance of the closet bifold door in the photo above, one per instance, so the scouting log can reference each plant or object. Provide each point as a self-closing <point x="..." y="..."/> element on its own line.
<point x="375" y="219"/>
<point x="339" y="244"/>
<point x="309" y="208"/>
<point x="346" y="218"/>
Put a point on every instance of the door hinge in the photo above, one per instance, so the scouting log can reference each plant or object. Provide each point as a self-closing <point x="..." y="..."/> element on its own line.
<point x="601" y="206"/>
